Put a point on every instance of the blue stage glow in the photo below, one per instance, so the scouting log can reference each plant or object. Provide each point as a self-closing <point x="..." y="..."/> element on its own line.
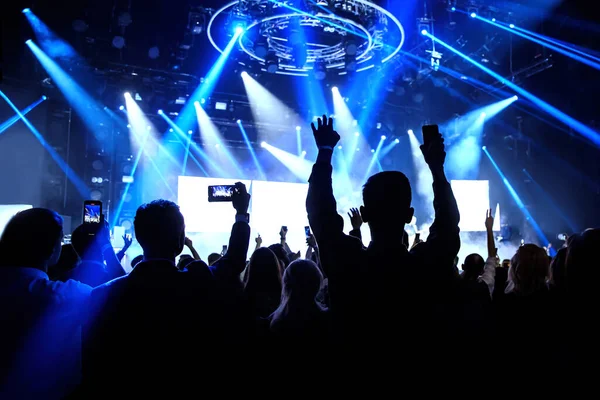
<point x="14" y="119"/>
<point x="583" y="129"/>
<point x="52" y="45"/>
<point x="518" y="200"/>
<point x="239" y="29"/>
<point x="81" y="187"/>
<point x="374" y="159"/>
<point x="299" y="166"/>
<point x="87" y="108"/>
<point x="259" y="168"/>
<point x="453" y="9"/>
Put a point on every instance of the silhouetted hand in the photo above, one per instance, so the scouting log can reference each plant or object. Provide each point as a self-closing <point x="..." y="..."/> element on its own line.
<point x="127" y="240"/>
<point x="325" y="136"/>
<point x="283" y="233"/>
<point x="489" y="220"/>
<point x="355" y="218"/>
<point x="434" y="153"/>
<point x="258" y="241"/>
<point x="311" y="241"/>
<point x="240" y="198"/>
<point x="188" y="242"/>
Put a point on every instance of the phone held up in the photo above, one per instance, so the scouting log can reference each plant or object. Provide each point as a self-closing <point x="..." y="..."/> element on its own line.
<point x="220" y="193"/>
<point x="92" y="212"/>
<point x="430" y="133"/>
<point x="307" y="231"/>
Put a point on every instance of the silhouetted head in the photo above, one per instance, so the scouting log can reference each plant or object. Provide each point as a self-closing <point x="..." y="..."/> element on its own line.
<point x="184" y="261"/>
<point x="302" y="281"/>
<point x="386" y="197"/>
<point x="473" y="266"/>
<point x="582" y="266"/>
<point x="32" y="238"/>
<point x="529" y="269"/>
<point x="136" y="260"/>
<point x="281" y="254"/>
<point x="263" y="273"/>
<point x="213" y="258"/>
<point x="557" y="269"/>
<point x="160" y="229"/>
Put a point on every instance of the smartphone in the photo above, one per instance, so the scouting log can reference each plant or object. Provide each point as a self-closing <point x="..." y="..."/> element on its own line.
<point x="307" y="231"/>
<point x="224" y="250"/>
<point x="220" y="193"/>
<point x="92" y="212"/>
<point x="430" y="133"/>
<point x="562" y="236"/>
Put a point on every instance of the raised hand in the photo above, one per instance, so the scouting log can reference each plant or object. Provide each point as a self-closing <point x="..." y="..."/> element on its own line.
<point x="258" y="240"/>
<point x="283" y="233"/>
<point x="240" y="198"/>
<point x="325" y="136"/>
<point x="434" y="153"/>
<point x="311" y="241"/>
<point x="188" y="242"/>
<point x="489" y="220"/>
<point x="127" y="240"/>
<point x="355" y="218"/>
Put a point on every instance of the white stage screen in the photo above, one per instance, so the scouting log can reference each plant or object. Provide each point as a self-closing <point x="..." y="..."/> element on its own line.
<point x="473" y="198"/>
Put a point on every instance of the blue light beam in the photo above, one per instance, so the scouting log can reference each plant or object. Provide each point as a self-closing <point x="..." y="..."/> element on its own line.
<point x="583" y="129"/>
<point x="13" y="120"/>
<point x="259" y="168"/>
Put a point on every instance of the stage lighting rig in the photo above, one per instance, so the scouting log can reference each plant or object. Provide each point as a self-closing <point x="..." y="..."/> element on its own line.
<point x="344" y="34"/>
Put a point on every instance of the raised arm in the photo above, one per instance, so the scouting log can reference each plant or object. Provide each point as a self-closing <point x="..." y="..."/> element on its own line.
<point x="356" y="221"/>
<point x="231" y="265"/>
<point x="190" y="245"/>
<point x="443" y="241"/>
<point x="489" y="226"/>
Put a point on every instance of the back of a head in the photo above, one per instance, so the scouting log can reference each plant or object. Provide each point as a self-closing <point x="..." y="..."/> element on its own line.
<point x="31" y="238"/>
<point x="264" y="273"/>
<point x="213" y="258"/>
<point x="281" y="254"/>
<point x="184" y="261"/>
<point x="302" y="280"/>
<point x="529" y="269"/>
<point x="386" y="196"/>
<point x="160" y="228"/>
<point x="582" y="269"/>
<point x="473" y="265"/>
<point x="136" y="260"/>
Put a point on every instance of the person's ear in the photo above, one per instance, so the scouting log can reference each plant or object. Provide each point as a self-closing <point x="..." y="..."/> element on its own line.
<point x="409" y="215"/>
<point x="364" y="214"/>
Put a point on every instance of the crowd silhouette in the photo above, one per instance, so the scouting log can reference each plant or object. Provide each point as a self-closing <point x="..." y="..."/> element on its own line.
<point x="74" y="324"/>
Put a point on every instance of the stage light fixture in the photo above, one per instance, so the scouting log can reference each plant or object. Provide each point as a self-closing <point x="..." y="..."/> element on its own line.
<point x="26" y="10"/>
<point x="239" y="121"/>
<point x="160" y="112"/>
<point x="483" y="148"/>
<point x="493" y="19"/>
<point x="515" y="97"/>
<point x="424" y="32"/>
<point x="410" y="132"/>
<point x="334" y="89"/>
<point x="190" y="132"/>
<point x="303" y="152"/>
<point x="473" y="15"/>
<point x="239" y="29"/>
<point x="263" y="144"/>
<point x="222" y="106"/>
<point x="383" y="137"/>
<point x="397" y="141"/>
<point x="320" y="70"/>
<point x="453" y="9"/>
<point x="350" y="47"/>
<point x="170" y="129"/>
<point x="339" y="147"/>
<point x="261" y="47"/>
<point x="272" y="63"/>
<point x="372" y="150"/>
<point x="121" y="108"/>
<point x="511" y="26"/>
<point x="298" y="128"/>
<point x="202" y="101"/>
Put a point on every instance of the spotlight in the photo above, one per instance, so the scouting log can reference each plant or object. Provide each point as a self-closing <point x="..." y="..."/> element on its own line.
<point x="320" y="70"/>
<point x="493" y="19"/>
<point x="202" y="101"/>
<point x="190" y="132"/>
<point x="28" y="41"/>
<point x="473" y="15"/>
<point x="379" y="125"/>
<point x="239" y="121"/>
<point x="339" y="147"/>
<point x="483" y="115"/>
<point x="453" y="9"/>
<point x="424" y="32"/>
<point x="410" y="132"/>
<point x="261" y="47"/>
<point x="26" y="10"/>
<point x="372" y="150"/>
<point x="160" y="112"/>
<point x="263" y="144"/>
<point x="511" y="26"/>
<point x="335" y="89"/>
<point x="383" y="137"/>
<point x="397" y="141"/>
<point x="121" y="108"/>
<point x="515" y="97"/>
<point x="170" y="129"/>
<point x="244" y="74"/>
<point x="44" y="97"/>
<point x="127" y="94"/>
<point x="239" y="29"/>
<point x="303" y="152"/>
<point x="356" y="134"/>
<point x="196" y="103"/>
<point x="351" y="47"/>
<point x="483" y="148"/>
<point x="298" y="128"/>
<point x="272" y="63"/>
